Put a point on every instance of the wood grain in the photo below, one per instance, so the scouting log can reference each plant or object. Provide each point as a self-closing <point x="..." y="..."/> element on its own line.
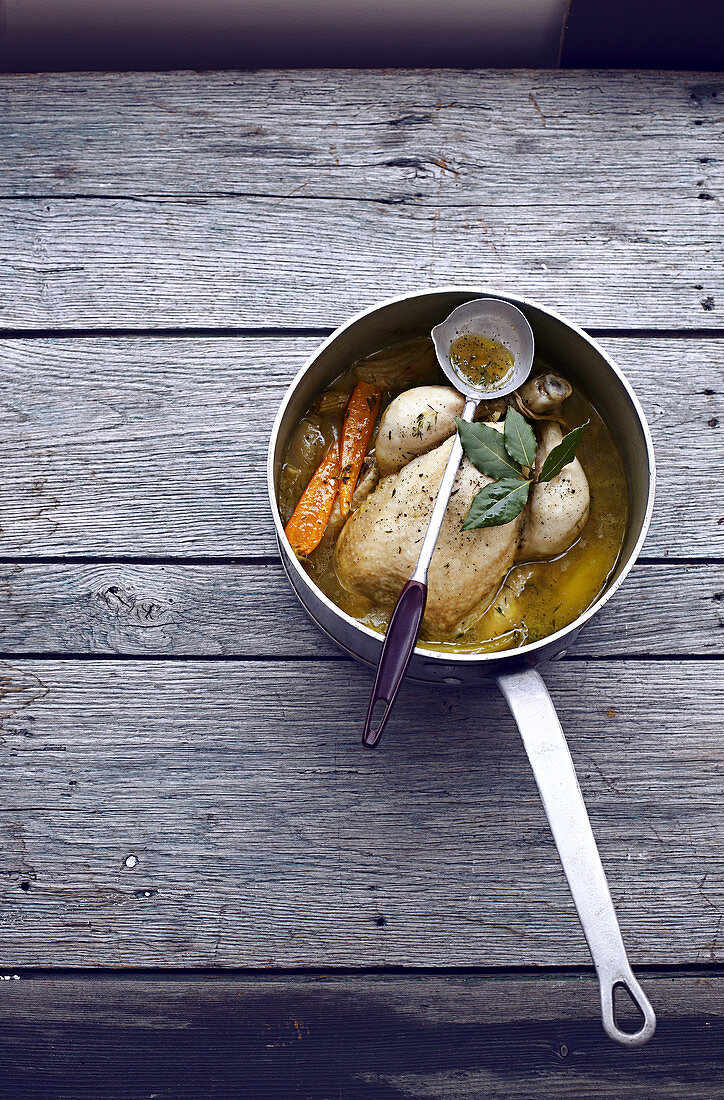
<point x="280" y="198"/>
<point x="224" y="813"/>
<point x="423" y="136"/>
<point x="142" y="446"/>
<point x="352" y="1037"/>
<point x="249" y="610"/>
<point x="256" y="262"/>
<point x="206" y="812"/>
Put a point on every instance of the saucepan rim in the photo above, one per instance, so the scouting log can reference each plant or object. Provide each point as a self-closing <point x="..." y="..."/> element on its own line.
<point x="449" y="658"/>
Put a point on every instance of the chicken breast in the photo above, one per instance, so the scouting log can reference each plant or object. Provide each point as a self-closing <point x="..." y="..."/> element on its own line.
<point x="557" y="510"/>
<point x="419" y="420"/>
<point x="415" y="422"/>
<point x="378" y="547"/>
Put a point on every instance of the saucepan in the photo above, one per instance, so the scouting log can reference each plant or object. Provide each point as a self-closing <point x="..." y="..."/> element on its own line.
<point x="564" y="347"/>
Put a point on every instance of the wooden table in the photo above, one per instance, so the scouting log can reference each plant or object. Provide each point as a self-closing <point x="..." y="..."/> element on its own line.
<point x="208" y="888"/>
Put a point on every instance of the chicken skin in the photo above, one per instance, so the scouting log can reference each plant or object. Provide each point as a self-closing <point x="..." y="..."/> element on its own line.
<point x="378" y="547"/>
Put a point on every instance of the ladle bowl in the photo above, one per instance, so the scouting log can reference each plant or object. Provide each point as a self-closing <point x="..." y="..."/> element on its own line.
<point x="496" y="320"/>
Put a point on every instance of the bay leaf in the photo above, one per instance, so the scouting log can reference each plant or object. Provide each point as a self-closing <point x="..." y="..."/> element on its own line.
<point x="520" y="441"/>
<point x="564" y="453"/>
<point x="486" y="450"/>
<point x="497" y="503"/>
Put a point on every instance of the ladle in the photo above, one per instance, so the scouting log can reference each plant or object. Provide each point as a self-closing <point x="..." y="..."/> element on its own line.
<point x="494" y="320"/>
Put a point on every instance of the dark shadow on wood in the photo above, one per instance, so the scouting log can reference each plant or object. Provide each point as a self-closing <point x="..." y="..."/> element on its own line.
<point x="350" y="1037"/>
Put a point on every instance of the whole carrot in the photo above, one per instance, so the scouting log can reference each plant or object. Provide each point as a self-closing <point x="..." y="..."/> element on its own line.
<point x="310" y="517"/>
<point x="359" y="420"/>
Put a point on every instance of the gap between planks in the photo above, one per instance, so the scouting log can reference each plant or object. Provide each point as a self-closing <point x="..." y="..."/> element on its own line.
<point x="262" y="332"/>
<point x="488" y="973"/>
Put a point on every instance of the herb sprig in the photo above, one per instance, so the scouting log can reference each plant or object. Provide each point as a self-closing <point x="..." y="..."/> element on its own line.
<point x="508" y="458"/>
<point x="419" y="422"/>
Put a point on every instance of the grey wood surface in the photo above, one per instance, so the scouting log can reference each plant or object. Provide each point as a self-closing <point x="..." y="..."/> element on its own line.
<point x="257" y="261"/>
<point x="259" y="833"/>
<point x="150" y="446"/>
<point x="183" y="784"/>
<point x="387" y="1037"/>
<point x="278" y="199"/>
<point x="248" y="610"/>
<point x="430" y="135"/>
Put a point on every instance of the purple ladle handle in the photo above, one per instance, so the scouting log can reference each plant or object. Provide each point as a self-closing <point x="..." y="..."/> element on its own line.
<point x="395" y="657"/>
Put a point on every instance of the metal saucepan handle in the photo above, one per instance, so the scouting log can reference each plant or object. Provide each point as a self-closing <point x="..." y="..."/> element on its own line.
<point x="545" y="744"/>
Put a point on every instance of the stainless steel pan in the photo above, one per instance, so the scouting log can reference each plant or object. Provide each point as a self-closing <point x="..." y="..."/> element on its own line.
<point x="566" y="348"/>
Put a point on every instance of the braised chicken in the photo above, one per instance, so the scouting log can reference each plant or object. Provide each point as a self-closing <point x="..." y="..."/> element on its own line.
<point x="490" y="588"/>
<point x="378" y="546"/>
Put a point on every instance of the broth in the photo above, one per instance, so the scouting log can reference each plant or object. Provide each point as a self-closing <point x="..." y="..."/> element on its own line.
<point x="535" y="599"/>
<point x="483" y="363"/>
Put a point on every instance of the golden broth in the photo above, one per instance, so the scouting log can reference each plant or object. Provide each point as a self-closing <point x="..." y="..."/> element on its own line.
<point x="536" y="598"/>
<point x="483" y="363"/>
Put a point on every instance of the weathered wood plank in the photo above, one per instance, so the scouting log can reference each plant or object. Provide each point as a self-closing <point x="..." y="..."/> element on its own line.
<point x="612" y="180"/>
<point x="224" y="813"/>
<point x="437" y="136"/>
<point x="260" y="262"/>
<point x="249" y="610"/>
<point x="147" y="447"/>
<point x="353" y="1037"/>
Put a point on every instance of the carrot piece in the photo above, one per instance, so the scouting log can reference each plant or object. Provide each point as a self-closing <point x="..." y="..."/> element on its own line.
<point x="310" y="517"/>
<point x="359" y="420"/>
